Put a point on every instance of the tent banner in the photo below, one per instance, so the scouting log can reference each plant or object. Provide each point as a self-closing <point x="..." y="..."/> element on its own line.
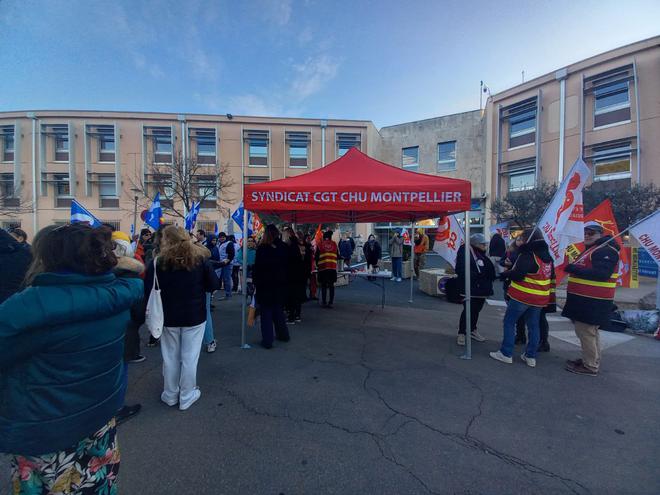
<point x="358" y="199"/>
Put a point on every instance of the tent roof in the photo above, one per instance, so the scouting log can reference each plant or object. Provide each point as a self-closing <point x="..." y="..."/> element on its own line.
<point x="357" y="188"/>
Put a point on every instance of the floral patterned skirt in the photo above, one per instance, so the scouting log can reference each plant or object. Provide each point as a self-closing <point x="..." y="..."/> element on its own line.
<point x="89" y="468"/>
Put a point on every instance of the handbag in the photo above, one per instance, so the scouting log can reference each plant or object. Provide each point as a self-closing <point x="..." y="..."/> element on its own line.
<point x="154" y="317"/>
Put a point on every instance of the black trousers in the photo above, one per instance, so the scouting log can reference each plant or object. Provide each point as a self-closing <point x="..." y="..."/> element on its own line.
<point x="324" y="291"/>
<point x="234" y="277"/>
<point x="477" y="304"/>
<point x="131" y="341"/>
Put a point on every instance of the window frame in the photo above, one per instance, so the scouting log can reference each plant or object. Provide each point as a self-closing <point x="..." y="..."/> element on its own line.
<point x="58" y="138"/>
<point x="344" y="138"/>
<point x="410" y="166"/>
<point x="6" y="138"/>
<point x="611" y="154"/>
<point x="611" y="108"/>
<point x="441" y="161"/>
<point x="518" y="173"/>
<point x="297" y="140"/>
<point x="253" y="142"/>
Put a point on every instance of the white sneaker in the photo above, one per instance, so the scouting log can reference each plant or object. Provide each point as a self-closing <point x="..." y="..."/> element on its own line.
<point x="531" y="362"/>
<point x="460" y="339"/>
<point x="211" y="346"/>
<point x="197" y="393"/>
<point x="501" y="357"/>
<point x="477" y="336"/>
<point x="398" y="279"/>
<point x="393" y="279"/>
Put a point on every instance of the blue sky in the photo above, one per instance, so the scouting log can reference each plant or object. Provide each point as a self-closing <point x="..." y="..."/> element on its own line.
<point x="386" y="61"/>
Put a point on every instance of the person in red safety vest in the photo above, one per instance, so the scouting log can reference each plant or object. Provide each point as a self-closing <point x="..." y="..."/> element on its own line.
<point x="590" y="295"/>
<point x="530" y="291"/>
<point x="326" y="262"/>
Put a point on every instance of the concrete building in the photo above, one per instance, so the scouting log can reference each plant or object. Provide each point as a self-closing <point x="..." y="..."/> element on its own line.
<point x="115" y="162"/>
<point x="605" y="109"/>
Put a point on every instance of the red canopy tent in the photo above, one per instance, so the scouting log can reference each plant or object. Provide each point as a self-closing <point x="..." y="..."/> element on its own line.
<point x="358" y="188"/>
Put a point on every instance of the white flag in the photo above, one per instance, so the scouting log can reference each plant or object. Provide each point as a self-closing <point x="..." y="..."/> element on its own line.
<point x="449" y="238"/>
<point x="562" y="222"/>
<point x="647" y="232"/>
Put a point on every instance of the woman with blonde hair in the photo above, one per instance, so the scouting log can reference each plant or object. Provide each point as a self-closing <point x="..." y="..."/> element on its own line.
<point x="184" y="277"/>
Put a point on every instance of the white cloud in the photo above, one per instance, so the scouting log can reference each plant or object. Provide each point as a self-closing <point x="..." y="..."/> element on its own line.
<point x="313" y="75"/>
<point x="251" y="104"/>
<point x="305" y="36"/>
<point x="277" y="11"/>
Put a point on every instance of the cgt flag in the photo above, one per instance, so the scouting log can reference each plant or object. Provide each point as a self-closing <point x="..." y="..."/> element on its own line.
<point x="647" y="232"/>
<point x="449" y="238"/>
<point x="562" y="222"/>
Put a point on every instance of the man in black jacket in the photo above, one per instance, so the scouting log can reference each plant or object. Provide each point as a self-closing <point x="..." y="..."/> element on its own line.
<point x="590" y="295"/>
<point x="14" y="262"/>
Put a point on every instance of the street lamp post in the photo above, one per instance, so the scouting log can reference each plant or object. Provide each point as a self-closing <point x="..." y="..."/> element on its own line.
<point x="135" y="199"/>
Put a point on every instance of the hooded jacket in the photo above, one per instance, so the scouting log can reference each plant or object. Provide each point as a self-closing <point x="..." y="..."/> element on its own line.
<point x="593" y="311"/>
<point x="525" y="263"/>
<point x="61" y="360"/>
<point x="15" y="260"/>
<point x="481" y="275"/>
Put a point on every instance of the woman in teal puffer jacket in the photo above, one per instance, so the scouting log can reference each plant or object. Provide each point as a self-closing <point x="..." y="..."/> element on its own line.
<point x="61" y="350"/>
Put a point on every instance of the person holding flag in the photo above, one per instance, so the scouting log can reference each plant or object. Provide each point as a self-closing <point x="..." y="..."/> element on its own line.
<point x="396" y="253"/>
<point x="590" y="292"/>
<point x="482" y="275"/>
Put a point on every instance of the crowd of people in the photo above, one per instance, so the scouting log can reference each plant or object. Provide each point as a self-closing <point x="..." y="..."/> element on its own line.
<point x="82" y="295"/>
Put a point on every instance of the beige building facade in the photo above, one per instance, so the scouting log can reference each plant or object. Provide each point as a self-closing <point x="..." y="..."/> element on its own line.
<point x="605" y="109"/>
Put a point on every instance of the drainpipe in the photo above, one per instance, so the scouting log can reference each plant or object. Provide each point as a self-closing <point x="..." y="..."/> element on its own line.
<point x="639" y="143"/>
<point x="324" y="124"/>
<point x="560" y="76"/>
<point x="35" y="223"/>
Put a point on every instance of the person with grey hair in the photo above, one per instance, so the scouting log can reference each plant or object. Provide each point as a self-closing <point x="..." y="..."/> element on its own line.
<point x="482" y="275"/>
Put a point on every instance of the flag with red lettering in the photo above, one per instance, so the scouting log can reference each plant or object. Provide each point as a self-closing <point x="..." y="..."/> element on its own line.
<point x="647" y="232"/>
<point x="257" y="226"/>
<point x="604" y="215"/>
<point x="449" y="238"/>
<point x="406" y="237"/>
<point x="562" y="222"/>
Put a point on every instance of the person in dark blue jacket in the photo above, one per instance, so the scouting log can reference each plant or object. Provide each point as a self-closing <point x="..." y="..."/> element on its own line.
<point x="61" y="350"/>
<point x="15" y="259"/>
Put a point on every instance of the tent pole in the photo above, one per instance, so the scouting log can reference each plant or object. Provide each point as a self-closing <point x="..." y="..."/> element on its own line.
<point x="412" y="258"/>
<point x="244" y="344"/>
<point x="468" y="290"/>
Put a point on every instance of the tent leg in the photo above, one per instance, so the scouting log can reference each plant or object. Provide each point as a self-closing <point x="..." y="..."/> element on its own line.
<point x="244" y="344"/>
<point x="468" y="290"/>
<point x="412" y="259"/>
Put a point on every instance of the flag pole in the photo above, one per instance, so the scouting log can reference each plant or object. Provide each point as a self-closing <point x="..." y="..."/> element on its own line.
<point x="244" y="344"/>
<point x="468" y="290"/>
<point x="412" y="258"/>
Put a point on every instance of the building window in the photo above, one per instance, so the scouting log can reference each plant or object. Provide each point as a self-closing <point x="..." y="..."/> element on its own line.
<point x="106" y="143"/>
<point x="612" y="162"/>
<point x="206" y="146"/>
<point x="522" y="180"/>
<point x="257" y="144"/>
<point x="7" y="192"/>
<point x="447" y="156"/>
<point x="256" y="180"/>
<point x="108" y="191"/>
<point x="61" y="136"/>
<point x="161" y="138"/>
<point x="611" y="103"/>
<point x="7" y="142"/>
<point x="62" y="190"/>
<point x="162" y="183"/>
<point x="410" y="157"/>
<point x="521" y="119"/>
<point x="298" y="144"/>
<point x="347" y="141"/>
<point x="207" y="189"/>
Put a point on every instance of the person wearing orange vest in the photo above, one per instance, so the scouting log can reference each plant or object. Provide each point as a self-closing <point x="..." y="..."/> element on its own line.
<point x="421" y="247"/>
<point x="326" y="262"/>
<point x="529" y="292"/>
<point x="590" y="295"/>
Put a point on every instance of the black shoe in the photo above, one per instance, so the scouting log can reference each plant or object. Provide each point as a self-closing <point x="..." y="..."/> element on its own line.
<point x="283" y="339"/>
<point x="137" y="359"/>
<point x="212" y="307"/>
<point x="544" y="347"/>
<point x="329" y="306"/>
<point x="266" y="346"/>
<point x="153" y="342"/>
<point x="126" y="413"/>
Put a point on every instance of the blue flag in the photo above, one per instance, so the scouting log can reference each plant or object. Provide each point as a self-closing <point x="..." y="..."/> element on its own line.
<point x="191" y="217"/>
<point x="237" y="216"/>
<point x="154" y="213"/>
<point x="80" y="214"/>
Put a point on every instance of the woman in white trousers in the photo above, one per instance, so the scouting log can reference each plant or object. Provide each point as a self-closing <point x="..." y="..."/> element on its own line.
<point x="184" y="277"/>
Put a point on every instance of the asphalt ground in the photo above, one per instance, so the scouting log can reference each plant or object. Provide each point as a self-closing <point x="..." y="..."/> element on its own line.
<point x="370" y="400"/>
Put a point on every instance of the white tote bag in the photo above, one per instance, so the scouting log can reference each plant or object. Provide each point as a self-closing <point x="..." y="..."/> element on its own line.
<point x="155" y="317"/>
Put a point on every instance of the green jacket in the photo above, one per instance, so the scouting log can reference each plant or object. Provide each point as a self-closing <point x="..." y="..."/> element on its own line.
<point x="61" y="349"/>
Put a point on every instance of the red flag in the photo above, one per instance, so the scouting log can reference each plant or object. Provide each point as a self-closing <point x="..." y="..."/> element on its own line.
<point x="318" y="236"/>
<point x="604" y="215"/>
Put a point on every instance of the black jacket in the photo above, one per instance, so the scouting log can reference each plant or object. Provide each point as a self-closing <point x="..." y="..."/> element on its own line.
<point x="183" y="293"/>
<point x="372" y="252"/>
<point x="270" y="273"/>
<point x="497" y="246"/>
<point x="481" y="276"/>
<point x="524" y="263"/>
<point x="604" y="261"/>
<point x="15" y="260"/>
<point x="296" y="264"/>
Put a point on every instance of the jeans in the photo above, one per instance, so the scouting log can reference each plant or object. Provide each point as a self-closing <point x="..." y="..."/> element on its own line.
<point x="272" y="315"/>
<point x="397" y="267"/>
<point x="514" y="311"/>
<point x="208" y="329"/>
<point x="476" y="305"/>
<point x="180" y="348"/>
<point x="226" y="279"/>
